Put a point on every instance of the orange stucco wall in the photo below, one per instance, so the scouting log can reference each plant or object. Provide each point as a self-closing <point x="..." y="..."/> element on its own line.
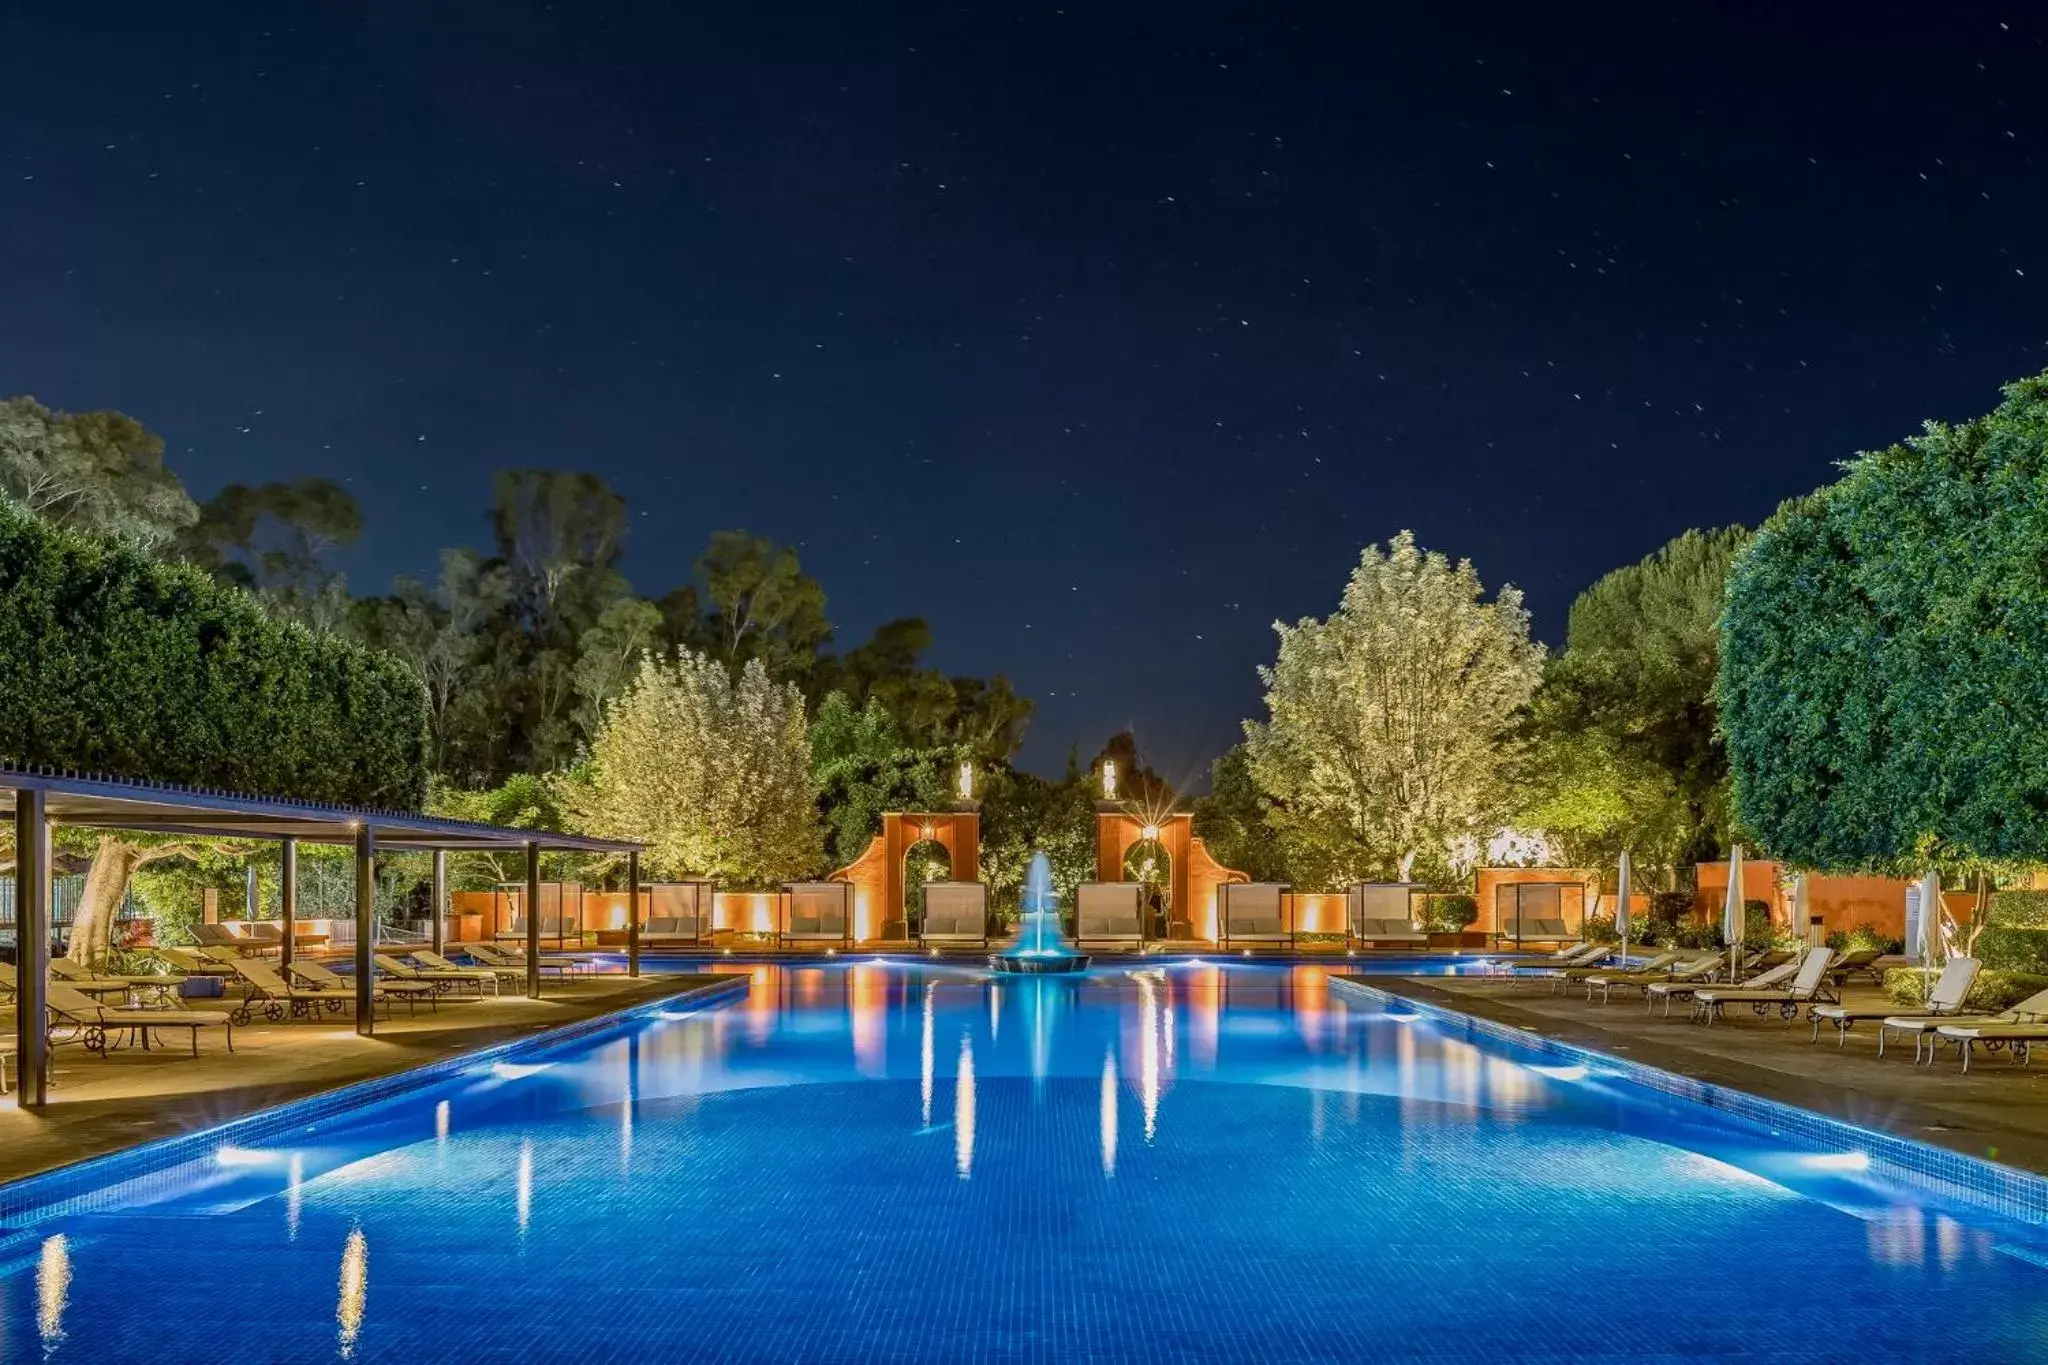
<point x="1842" y="901"/>
<point x="877" y="875"/>
<point x="1578" y="882"/>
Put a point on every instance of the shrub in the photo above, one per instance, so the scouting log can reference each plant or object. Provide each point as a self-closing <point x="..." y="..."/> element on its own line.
<point x="1449" y="914"/>
<point x="1864" y="936"/>
<point x="1601" y="929"/>
<point x="1697" y="936"/>
<point x="1993" y="991"/>
<point x="2019" y="909"/>
<point x="1757" y="929"/>
<point x="2014" y="950"/>
<point x="1670" y="907"/>
<point x="121" y="665"/>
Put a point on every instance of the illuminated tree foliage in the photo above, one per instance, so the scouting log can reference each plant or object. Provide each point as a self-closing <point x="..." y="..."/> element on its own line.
<point x="1884" y="664"/>
<point x="712" y="771"/>
<point x="1391" y="723"/>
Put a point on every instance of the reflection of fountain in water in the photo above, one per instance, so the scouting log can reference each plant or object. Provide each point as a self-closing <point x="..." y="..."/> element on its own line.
<point x="1041" y="947"/>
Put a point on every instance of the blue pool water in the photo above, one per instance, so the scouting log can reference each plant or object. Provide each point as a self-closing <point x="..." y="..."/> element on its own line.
<point x="903" y="1162"/>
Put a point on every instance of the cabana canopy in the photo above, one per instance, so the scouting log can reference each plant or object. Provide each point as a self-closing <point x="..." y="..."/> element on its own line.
<point x="39" y="798"/>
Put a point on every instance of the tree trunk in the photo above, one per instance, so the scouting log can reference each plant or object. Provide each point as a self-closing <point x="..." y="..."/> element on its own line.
<point x="106" y="886"/>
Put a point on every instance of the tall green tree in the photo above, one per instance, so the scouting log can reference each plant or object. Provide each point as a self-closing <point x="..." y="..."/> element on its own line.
<point x="1391" y="729"/>
<point x="1884" y="658"/>
<point x="1625" y="748"/>
<point x="1235" y="820"/>
<point x="277" y="540"/>
<point x="98" y="472"/>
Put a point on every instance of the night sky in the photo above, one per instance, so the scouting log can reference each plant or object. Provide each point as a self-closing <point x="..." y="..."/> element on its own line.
<point x="1100" y="335"/>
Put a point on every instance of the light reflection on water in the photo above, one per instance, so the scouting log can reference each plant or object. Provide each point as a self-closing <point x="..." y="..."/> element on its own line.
<point x="809" y="1116"/>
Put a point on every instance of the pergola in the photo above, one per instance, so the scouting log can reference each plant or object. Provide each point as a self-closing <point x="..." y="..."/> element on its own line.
<point x="41" y="800"/>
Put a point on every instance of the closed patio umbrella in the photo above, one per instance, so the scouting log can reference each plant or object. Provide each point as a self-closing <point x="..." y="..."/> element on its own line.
<point x="1621" y="905"/>
<point x="1928" y="949"/>
<point x="1802" y="907"/>
<point x="1731" y="911"/>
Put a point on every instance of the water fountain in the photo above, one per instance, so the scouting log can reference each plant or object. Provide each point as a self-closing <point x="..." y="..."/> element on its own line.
<point x="1041" y="949"/>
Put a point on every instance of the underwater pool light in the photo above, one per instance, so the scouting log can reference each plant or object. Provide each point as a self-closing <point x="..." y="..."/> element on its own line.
<point x="1836" y="1161"/>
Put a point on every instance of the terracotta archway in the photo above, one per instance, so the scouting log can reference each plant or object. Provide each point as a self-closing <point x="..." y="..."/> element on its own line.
<point x="877" y="875"/>
<point x="1194" y="874"/>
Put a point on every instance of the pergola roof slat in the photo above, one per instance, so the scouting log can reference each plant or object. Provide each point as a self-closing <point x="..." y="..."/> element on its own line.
<point x="120" y="803"/>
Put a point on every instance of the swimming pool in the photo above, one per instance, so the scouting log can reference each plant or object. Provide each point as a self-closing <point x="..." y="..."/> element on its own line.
<point x="870" y="1161"/>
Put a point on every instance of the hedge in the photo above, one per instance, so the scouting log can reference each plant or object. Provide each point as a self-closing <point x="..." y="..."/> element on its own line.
<point x="2019" y="950"/>
<point x="2019" y="909"/>
<point x="117" y="664"/>
<point x="1992" y="992"/>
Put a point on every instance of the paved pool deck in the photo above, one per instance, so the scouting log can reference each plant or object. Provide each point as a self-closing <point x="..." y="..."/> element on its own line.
<point x="100" y="1105"/>
<point x="1998" y="1111"/>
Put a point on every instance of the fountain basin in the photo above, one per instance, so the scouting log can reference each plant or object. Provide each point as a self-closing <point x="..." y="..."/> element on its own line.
<point x="1037" y="963"/>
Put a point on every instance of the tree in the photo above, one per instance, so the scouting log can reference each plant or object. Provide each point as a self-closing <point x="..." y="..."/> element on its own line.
<point x="1235" y="820"/>
<point x="1884" y="663"/>
<point x="444" y="633"/>
<point x="711" y="771"/>
<point x="1023" y="813"/>
<point x="275" y="539"/>
<point x="1625" y="749"/>
<point x="98" y="472"/>
<point x="1390" y="729"/>
<point x="763" y="605"/>
<point x="610" y="652"/>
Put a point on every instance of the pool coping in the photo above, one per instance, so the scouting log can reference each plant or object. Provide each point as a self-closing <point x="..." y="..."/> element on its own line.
<point x="116" y="1177"/>
<point x="2021" y="1196"/>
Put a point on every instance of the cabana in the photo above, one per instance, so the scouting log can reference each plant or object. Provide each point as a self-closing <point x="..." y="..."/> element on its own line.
<point x="1109" y="915"/>
<point x="39" y="799"/>
<point x="561" y="906"/>
<point x="1250" y="914"/>
<point x="817" y="913"/>
<point x="1377" y="914"/>
<point x="955" y="915"/>
<point x="678" y="914"/>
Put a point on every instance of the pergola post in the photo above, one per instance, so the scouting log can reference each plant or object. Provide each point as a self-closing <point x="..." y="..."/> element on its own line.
<point x="532" y="920"/>
<point x="438" y="933"/>
<point x="31" y="945"/>
<point x="633" y="914"/>
<point x="288" y="902"/>
<point x="366" y="930"/>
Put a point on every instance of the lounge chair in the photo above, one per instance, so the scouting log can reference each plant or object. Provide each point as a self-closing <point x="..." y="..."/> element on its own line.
<point x="1668" y="991"/>
<point x="1652" y="967"/>
<point x="1253" y="914"/>
<point x="220" y="936"/>
<point x="189" y="962"/>
<point x="157" y="987"/>
<point x="1941" y="1004"/>
<point x="1109" y="915"/>
<point x="1808" y="984"/>
<point x="491" y="955"/>
<point x="321" y="978"/>
<point x="2018" y="1028"/>
<point x="1696" y="968"/>
<point x="73" y="1008"/>
<point x="955" y="915"/>
<point x="1861" y="960"/>
<point x="434" y="967"/>
<point x="260" y="982"/>
<point x="1591" y="955"/>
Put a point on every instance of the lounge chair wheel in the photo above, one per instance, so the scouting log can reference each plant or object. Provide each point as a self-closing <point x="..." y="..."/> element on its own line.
<point x="240" y="1015"/>
<point x="95" y="1039"/>
<point x="273" y="1011"/>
